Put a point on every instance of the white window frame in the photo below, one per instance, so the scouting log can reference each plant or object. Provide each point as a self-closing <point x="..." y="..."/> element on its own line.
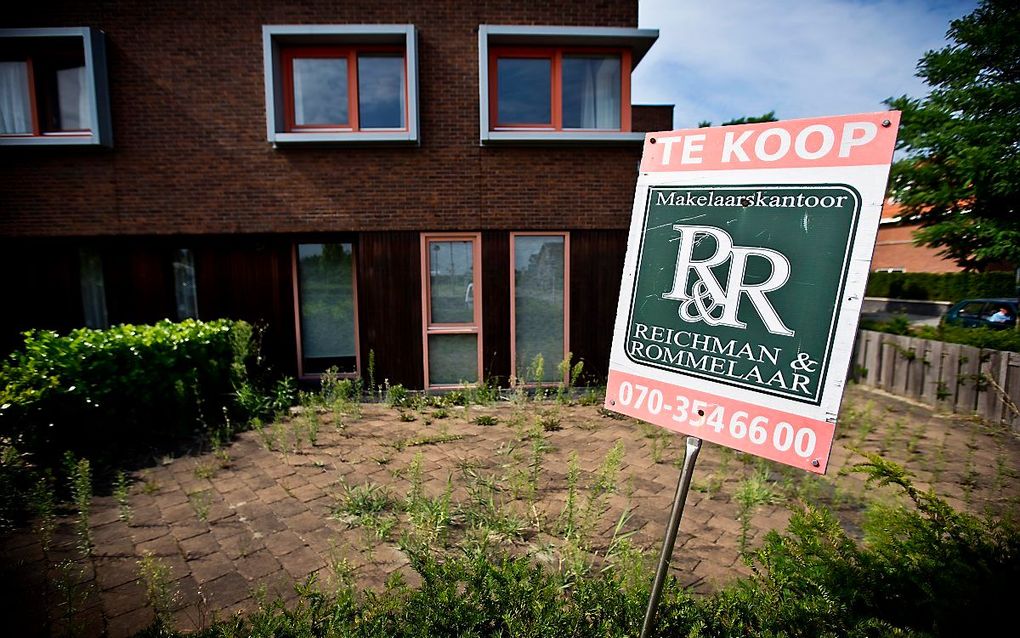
<point x="97" y="87"/>
<point x="277" y="37"/>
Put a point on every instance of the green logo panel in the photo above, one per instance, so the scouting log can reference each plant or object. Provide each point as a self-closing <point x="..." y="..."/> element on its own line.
<point x="741" y="284"/>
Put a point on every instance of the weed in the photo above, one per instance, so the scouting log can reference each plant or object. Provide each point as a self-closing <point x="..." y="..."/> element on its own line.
<point x="44" y="505"/>
<point x="80" y="476"/>
<point x="486" y="420"/>
<point x="371" y="373"/>
<point x="120" y="494"/>
<point x="441" y="413"/>
<point x="150" y="485"/>
<point x="593" y="396"/>
<point x="204" y="471"/>
<point x="426" y="440"/>
<point x="160" y="592"/>
<point x="752" y="492"/>
<point x="366" y="505"/>
<point x="568" y="517"/>
<point x="200" y="502"/>
<point x="549" y="421"/>
<point x="397" y="395"/>
<point x="406" y="417"/>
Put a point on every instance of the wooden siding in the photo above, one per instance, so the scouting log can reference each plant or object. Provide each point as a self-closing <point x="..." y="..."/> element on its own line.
<point x="596" y="265"/>
<point x="949" y="376"/>
<point x="389" y="306"/>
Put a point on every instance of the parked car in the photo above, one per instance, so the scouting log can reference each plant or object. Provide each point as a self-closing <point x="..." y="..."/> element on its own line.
<point x="986" y="313"/>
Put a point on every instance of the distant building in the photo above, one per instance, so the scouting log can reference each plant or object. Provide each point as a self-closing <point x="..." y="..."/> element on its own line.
<point x="895" y="250"/>
<point x="446" y="185"/>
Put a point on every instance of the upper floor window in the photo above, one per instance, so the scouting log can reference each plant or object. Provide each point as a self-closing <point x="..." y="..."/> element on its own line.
<point x="340" y="84"/>
<point x="558" y="89"/>
<point x="545" y="84"/>
<point x="337" y="89"/>
<point x="53" y="87"/>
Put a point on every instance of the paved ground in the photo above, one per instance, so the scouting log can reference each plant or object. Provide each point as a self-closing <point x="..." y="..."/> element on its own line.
<point x="250" y="520"/>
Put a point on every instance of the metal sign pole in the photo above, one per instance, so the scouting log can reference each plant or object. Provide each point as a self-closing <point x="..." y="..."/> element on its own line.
<point x="682" y="487"/>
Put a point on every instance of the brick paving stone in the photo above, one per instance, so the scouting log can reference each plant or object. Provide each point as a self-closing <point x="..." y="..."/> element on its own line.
<point x="238" y="545"/>
<point x="272" y="494"/>
<point x="163" y="546"/>
<point x="257" y="564"/>
<point x="179" y="511"/>
<point x="287" y="507"/>
<point x="199" y="545"/>
<point x="123" y="598"/>
<point x="145" y="515"/>
<point x="210" y="567"/>
<point x="130" y="623"/>
<point x="281" y="543"/>
<point x="302" y="561"/>
<point x="307" y="492"/>
<point x="227" y="590"/>
<point x="114" y="572"/>
<point x="189" y="529"/>
<point x="268" y="524"/>
<point x="303" y="522"/>
<point x="140" y="533"/>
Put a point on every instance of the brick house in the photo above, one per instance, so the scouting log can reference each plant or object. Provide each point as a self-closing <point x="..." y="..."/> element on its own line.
<point x="446" y="185"/>
<point x="895" y="250"/>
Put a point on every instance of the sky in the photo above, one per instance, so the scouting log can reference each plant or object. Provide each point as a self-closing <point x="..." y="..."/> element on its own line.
<point x="722" y="59"/>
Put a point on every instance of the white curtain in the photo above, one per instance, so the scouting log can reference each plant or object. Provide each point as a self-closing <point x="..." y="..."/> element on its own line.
<point x="93" y="289"/>
<point x="15" y="107"/>
<point x="600" y="94"/>
<point x="73" y="99"/>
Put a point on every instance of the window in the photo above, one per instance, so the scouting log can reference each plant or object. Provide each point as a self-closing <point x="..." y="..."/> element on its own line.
<point x="451" y="309"/>
<point x="53" y="87"/>
<point x="326" y="308"/>
<point x="330" y="89"/>
<point x="341" y="84"/>
<point x="93" y="289"/>
<point x="539" y="303"/>
<point x="558" y="84"/>
<point x="185" y="292"/>
<point x="558" y="89"/>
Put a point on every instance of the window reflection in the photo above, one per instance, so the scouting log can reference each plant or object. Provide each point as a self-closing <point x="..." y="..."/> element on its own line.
<point x="381" y="91"/>
<point x="320" y="91"/>
<point x="591" y="92"/>
<point x="524" y="91"/>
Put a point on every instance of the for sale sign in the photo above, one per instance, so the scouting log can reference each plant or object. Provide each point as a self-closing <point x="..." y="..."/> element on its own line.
<point x="748" y="254"/>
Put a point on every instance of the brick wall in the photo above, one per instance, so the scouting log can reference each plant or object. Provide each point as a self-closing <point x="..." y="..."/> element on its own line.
<point x="190" y="154"/>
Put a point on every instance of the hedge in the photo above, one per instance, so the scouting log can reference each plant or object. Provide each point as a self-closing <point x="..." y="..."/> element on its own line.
<point x="941" y="286"/>
<point x="127" y="384"/>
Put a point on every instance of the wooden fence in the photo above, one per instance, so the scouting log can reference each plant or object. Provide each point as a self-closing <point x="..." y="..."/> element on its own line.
<point x="949" y="376"/>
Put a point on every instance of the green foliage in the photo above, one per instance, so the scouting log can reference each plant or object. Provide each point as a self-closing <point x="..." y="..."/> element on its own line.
<point x="160" y="591"/>
<point x="397" y="396"/>
<point x="747" y="119"/>
<point x="91" y="388"/>
<point x="988" y="338"/>
<point x="961" y="173"/>
<point x="952" y="286"/>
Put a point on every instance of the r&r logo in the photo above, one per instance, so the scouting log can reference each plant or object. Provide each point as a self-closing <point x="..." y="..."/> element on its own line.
<point x="708" y="301"/>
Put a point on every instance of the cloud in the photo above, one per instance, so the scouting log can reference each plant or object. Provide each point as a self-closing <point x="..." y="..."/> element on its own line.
<point x="802" y="58"/>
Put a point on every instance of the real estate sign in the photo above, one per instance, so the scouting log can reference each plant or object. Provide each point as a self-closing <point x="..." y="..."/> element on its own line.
<point x="747" y="258"/>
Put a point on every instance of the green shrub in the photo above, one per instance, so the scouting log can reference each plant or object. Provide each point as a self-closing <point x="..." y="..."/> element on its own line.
<point x="988" y="338"/>
<point x="125" y="384"/>
<point x="941" y="286"/>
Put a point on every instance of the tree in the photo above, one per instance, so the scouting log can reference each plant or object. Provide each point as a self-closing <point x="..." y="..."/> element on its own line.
<point x="747" y="119"/>
<point x="960" y="175"/>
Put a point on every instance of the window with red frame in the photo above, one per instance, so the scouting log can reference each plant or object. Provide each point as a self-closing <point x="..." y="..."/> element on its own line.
<point x="44" y="88"/>
<point x="559" y="89"/>
<point x="345" y="88"/>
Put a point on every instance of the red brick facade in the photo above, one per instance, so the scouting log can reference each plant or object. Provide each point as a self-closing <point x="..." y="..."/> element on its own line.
<point x="190" y="154"/>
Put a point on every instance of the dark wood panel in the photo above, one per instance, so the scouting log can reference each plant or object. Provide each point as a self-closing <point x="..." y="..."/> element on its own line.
<point x="250" y="280"/>
<point x="596" y="265"/>
<point x="496" y="305"/>
<point x="41" y="289"/>
<point x="389" y="306"/>
<point x="139" y="283"/>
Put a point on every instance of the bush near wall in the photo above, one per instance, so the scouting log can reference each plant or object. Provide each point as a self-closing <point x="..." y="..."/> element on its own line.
<point x="987" y="338"/>
<point x="941" y="286"/>
<point x="122" y="386"/>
